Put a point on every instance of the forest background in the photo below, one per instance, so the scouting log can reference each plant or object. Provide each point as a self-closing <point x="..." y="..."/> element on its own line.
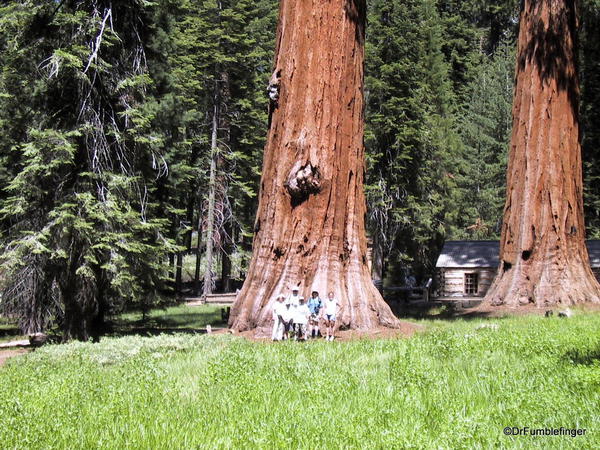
<point x="131" y="138"/>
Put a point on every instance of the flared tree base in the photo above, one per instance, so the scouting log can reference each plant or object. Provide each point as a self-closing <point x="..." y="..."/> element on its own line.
<point x="544" y="287"/>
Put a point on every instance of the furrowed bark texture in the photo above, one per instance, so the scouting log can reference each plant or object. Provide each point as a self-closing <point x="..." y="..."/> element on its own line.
<point x="310" y="222"/>
<point x="543" y="255"/>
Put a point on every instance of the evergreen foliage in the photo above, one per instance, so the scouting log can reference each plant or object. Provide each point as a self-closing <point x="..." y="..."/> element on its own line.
<point x="589" y="39"/>
<point x="485" y="124"/>
<point x="438" y="123"/>
<point x="106" y="113"/>
<point x="82" y="232"/>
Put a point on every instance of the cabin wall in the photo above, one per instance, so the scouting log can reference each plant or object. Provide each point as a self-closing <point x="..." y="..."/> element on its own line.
<point x="451" y="281"/>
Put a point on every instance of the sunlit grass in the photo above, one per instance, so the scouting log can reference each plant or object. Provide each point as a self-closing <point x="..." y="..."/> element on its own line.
<point x="456" y="386"/>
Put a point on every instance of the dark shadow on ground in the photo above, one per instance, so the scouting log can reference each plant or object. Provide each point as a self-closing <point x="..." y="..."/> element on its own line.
<point x="4" y="332"/>
<point x="584" y="357"/>
<point x="434" y="310"/>
<point x="184" y="323"/>
<point x="153" y="331"/>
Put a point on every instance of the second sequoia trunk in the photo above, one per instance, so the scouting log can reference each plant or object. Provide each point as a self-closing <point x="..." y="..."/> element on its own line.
<point x="310" y="223"/>
<point x="543" y="255"/>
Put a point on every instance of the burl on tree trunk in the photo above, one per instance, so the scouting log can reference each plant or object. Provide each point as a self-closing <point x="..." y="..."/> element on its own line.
<point x="310" y="226"/>
<point x="543" y="256"/>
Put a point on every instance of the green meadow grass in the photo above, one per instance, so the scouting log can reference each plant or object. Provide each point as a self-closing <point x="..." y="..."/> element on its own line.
<point x="455" y="386"/>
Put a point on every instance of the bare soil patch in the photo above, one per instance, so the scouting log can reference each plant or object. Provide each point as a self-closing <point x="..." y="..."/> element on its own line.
<point x="407" y="329"/>
<point x="6" y="354"/>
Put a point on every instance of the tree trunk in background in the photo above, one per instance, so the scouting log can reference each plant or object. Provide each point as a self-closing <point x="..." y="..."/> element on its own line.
<point x="178" y="273"/>
<point x="187" y="240"/>
<point x="226" y="250"/>
<point x="543" y="255"/>
<point x="198" y="253"/>
<point x="310" y="221"/>
<point x="172" y="266"/>
<point x="212" y="182"/>
<point x="378" y="260"/>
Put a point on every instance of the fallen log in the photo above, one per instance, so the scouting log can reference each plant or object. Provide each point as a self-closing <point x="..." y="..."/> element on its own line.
<point x="16" y="344"/>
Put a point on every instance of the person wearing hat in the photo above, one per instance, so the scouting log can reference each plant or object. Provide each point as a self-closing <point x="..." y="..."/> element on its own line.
<point x="278" y="325"/>
<point x="293" y="301"/>
<point x="302" y="314"/>
<point x="287" y="317"/>
<point x="314" y="305"/>
<point x="294" y="298"/>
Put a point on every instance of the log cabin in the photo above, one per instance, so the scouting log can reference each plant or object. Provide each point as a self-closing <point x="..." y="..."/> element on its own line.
<point x="467" y="268"/>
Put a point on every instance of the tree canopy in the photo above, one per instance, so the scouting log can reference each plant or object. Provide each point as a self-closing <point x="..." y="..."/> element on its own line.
<point x="106" y="120"/>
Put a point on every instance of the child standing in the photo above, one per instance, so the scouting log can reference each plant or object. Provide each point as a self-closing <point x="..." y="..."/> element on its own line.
<point x="294" y="298"/>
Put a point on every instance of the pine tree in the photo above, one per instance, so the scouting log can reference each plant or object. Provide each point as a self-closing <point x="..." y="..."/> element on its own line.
<point x="410" y="134"/>
<point x="590" y="112"/>
<point x="485" y="125"/>
<point x="83" y="236"/>
<point x="219" y="75"/>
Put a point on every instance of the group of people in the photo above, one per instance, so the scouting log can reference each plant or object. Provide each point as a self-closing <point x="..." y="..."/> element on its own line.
<point x="295" y="318"/>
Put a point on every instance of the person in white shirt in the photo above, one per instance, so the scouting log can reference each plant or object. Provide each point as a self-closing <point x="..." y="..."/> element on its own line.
<point x="294" y="299"/>
<point x="287" y="317"/>
<point x="278" y="326"/>
<point x="301" y="319"/>
<point x="330" y="310"/>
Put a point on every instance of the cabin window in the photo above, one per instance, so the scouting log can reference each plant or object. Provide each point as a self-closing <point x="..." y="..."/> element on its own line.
<point x="471" y="283"/>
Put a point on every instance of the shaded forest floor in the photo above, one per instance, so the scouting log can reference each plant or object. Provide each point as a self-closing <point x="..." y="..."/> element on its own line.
<point x="449" y="310"/>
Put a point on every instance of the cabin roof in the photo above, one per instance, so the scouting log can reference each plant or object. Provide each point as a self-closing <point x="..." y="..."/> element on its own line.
<point x="470" y="254"/>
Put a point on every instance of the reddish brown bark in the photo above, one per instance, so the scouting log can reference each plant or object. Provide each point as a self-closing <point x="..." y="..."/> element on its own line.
<point x="543" y="255"/>
<point x="310" y="222"/>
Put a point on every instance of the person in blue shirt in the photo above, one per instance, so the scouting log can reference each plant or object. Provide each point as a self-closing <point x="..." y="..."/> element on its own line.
<point x="314" y="305"/>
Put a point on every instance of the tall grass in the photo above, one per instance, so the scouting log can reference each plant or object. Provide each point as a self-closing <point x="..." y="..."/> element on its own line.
<point x="456" y="386"/>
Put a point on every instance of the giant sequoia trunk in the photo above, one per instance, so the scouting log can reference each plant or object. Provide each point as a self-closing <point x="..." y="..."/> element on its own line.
<point x="310" y="221"/>
<point x="543" y="255"/>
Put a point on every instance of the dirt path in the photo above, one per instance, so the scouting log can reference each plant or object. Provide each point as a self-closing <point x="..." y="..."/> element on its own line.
<point x="5" y="354"/>
<point x="407" y="329"/>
